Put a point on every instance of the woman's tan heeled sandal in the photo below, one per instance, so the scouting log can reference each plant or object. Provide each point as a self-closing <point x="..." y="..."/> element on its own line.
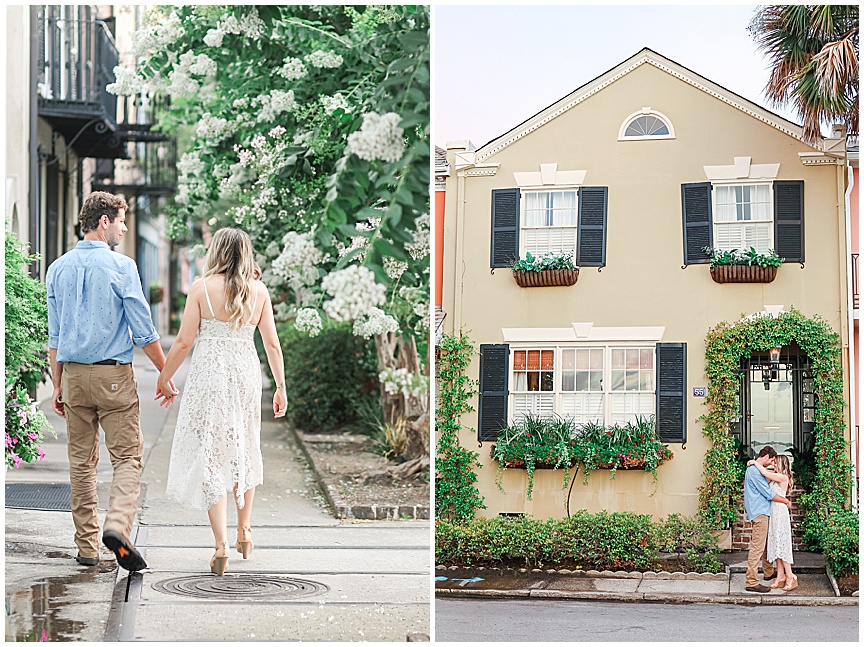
<point x="219" y="564"/>
<point x="245" y="544"/>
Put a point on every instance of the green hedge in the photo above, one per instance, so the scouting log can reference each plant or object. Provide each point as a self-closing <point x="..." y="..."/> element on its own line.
<point x="326" y="376"/>
<point x="602" y="541"/>
<point x="839" y="542"/>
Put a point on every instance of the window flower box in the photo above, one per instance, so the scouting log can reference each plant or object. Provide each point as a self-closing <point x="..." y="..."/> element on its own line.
<point x="555" y="443"/>
<point x="743" y="274"/>
<point x="549" y="270"/>
<point x="546" y="278"/>
<point x="740" y="266"/>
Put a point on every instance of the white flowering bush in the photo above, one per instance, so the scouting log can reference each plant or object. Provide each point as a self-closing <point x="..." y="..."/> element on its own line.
<point x="309" y="130"/>
<point x="401" y="380"/>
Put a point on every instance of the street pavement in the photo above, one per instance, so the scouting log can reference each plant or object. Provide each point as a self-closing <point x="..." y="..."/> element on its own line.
<point x="309" y="578"/>
<point x="470" y="621"/>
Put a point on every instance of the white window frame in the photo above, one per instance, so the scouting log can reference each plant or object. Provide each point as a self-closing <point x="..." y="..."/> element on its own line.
<point x="714" y="222"/>
<point x="558" y="392"/>
<point x="523" y="201"/>
<point x="645" y="112"/>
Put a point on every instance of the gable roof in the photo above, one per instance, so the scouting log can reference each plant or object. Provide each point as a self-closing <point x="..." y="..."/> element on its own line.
<point x="643" y="57"/>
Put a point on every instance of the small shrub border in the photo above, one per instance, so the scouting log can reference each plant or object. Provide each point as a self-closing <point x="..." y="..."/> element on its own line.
<point x="601" y="541"/>
<point x="839" y="543"/>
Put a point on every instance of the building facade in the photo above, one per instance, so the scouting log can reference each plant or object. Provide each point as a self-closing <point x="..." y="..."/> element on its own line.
<point x="635" y="174"/>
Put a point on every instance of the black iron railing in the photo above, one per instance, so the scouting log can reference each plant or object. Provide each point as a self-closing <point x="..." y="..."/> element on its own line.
<point x="855" y="293"/>
<point x="77" y="60"/>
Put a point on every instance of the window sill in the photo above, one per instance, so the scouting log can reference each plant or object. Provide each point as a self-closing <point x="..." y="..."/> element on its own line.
<point x="546" y="278"/>
<point x="743" y="274"/>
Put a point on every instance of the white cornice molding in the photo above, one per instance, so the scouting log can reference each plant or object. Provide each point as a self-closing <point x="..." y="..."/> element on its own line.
<point x="584" y="332"/>
<point x="820" y="159"/>
<point x="549" y="176"/>
<point x="661" y="63"/>
<point x="742" y="170"/>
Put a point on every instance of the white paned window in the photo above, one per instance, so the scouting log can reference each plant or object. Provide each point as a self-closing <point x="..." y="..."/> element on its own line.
<point x="603" y="384"/>
<point x="743" y="217"/>
<point x="646" y="126"/>
<point x="548" y="222"/>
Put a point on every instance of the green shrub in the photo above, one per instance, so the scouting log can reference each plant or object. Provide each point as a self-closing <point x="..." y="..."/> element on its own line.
<point x="326" y="376"/>
<point x="26" y="320"/>
<point x="602" y="541"/>
<point x="692" y="541"/>
<point x="839" y="542"/>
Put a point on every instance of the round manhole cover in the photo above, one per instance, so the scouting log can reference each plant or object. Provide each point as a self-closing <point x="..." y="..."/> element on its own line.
<point x="240" y="587"/>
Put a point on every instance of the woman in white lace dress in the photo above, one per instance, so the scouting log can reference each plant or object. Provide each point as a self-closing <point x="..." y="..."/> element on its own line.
<point x="217" y="440"/>
<point x="779" y="548"/>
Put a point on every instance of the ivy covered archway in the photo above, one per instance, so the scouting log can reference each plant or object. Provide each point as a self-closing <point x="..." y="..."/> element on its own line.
<point x="720" y="496"/>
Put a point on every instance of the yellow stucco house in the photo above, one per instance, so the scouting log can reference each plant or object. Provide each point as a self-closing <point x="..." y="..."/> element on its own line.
<point x="635" y="173"/>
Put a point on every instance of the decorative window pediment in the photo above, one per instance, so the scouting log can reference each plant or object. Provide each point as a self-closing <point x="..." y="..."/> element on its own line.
<point x="646" y="124"/>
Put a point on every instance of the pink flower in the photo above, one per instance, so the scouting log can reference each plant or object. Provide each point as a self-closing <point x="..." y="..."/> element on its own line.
<point x="17" y="460"/>
<point x="32" y="435"/>
<point x="9" y="442"/>
<point x="41" y="454"/>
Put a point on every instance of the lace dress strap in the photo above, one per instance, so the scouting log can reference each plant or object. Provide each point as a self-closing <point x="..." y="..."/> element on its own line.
<point x="209" y="305"/>
<point x="254" y="303"/>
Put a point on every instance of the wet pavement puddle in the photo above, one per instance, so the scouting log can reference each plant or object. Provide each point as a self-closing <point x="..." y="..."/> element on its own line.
<point x="36" y="613"/>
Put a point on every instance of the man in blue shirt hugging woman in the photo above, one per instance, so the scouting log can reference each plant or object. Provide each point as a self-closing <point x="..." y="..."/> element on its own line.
<point x="758" y="496"/>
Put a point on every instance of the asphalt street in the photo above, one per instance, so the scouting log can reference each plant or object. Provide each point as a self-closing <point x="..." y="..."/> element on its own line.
<point x="464" y="620"/>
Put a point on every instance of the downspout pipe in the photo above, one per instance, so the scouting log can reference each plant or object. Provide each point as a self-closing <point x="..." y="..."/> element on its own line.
<point x="854" y="351"/>
<point x="34" y="235"/>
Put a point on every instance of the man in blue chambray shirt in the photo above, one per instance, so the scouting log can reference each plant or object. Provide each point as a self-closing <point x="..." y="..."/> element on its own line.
<point x="96" y="310"/>
<point x="758" y="496"/>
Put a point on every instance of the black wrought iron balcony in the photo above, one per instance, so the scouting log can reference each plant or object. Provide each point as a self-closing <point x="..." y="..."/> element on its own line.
<point x="77" y="60"/>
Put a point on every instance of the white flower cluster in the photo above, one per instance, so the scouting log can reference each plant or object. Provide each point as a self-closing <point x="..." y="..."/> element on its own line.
<point x="273" y="104"/>
<point x="202" y="65"/>
<point x="126" y="82"/>
<point x="292" y="69"/>
<point x="299" y="260"/>
<point x="420" y="247"/>
<point x="354" y="293"/>
<point x="249" y="25"/>
<point x="375" y="322"/>
<point x="378" y="138"/>
<point x="309" y="321"/>
<point x="320" y="58"/>
<point x="213" y="129"/>
<point x="182" y="85"/>
<point x="190" y="164"/>
<point x="214" y="38"/>
<point x="394" y="268"/>
<point x="334" y="103"/>
<point x="157" y="37"/>
<point x="400" y="380"/>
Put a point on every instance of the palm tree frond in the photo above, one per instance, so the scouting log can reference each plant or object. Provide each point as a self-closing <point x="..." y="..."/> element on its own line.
<point x="837" y="67"/>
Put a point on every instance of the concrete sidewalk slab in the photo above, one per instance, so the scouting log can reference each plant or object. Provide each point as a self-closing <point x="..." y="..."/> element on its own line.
<point x="684" y="587"/>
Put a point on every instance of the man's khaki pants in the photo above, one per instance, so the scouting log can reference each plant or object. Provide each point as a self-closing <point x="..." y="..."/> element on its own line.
<point x="758" y="545"/>
<point x="97" y="395"/>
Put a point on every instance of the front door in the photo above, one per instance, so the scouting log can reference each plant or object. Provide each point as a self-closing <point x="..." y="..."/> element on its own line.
<point x="772" y="413"/>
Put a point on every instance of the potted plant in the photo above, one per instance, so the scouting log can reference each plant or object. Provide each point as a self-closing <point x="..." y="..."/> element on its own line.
<point x="157" y="293"/>
<point x="743" y="266"/>
<point x="548" y="270"/>
<point x="535" y="443"/>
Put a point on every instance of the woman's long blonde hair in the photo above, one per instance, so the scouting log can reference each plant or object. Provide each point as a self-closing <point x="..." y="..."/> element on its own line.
<point x="785" y="467"/>
<point x="230" y="253"/>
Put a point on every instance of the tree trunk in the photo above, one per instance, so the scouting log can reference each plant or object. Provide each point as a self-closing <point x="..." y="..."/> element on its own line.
<point x="397" y="352"/>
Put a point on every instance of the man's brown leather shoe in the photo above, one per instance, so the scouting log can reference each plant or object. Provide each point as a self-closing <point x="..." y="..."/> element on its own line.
<point x="759" y="588"/>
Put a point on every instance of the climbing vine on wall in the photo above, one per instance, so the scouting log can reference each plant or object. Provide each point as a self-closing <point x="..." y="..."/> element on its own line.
<point x="456" y="495"/>
<point x="720" y="493"/>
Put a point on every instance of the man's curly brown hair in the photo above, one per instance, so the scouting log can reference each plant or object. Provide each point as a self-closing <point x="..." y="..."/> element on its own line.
<point x="98" y="204"/>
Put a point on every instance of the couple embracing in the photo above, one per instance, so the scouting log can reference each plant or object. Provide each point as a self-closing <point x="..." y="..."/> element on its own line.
<point x="96" y="311"/>
<point x="768" y="510"/>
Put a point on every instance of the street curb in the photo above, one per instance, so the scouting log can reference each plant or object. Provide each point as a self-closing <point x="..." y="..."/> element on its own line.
<point x="634" y="575"/>
<point x="342" y="510"/>
<point x="648" y="597"/>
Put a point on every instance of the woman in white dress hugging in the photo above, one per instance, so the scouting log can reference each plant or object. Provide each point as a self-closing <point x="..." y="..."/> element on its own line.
<point x="217" y="444"/>
<point x="779" y="548"/>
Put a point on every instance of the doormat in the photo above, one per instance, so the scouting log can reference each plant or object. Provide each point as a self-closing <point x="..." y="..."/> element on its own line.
<point x="39" y="496"/>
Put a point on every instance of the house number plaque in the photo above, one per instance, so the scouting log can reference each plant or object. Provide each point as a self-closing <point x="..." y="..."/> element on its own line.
<point x="698" y="391"/>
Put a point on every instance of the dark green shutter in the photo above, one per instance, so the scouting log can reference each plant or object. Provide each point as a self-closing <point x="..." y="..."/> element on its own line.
<point x="492" y="412"/>
<point x="505" y="227"/>
<point x="698" y="228"/>
<point x="672" y="393"/>
<point x="789" y="220"/>
<point x="591" y="234"/>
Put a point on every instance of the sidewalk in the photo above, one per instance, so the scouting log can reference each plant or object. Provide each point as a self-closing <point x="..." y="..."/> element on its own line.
<point x="815" y="586"/>
<point x="310" y="576"/>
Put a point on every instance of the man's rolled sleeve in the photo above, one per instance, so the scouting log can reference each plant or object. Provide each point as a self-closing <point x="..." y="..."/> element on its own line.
<point x="53" y="319"/>
<point x="137" y="309"/>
